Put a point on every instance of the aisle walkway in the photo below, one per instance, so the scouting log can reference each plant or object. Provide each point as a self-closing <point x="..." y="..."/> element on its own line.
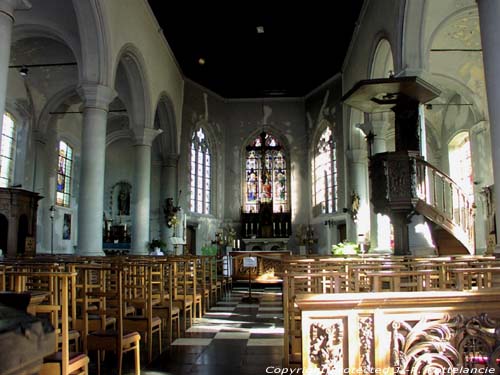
<point x="232" y="338"/>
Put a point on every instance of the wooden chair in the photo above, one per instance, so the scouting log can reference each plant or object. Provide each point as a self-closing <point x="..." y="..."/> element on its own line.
<point x="181" y="296"/>
<point x="166" y="310"/>
<point x="116" y="340"/>
<point x="62" y="361"/>
<point x="139" y="286"/>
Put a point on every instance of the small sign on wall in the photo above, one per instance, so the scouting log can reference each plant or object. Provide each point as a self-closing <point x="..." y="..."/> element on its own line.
<point x="249" y="262"/>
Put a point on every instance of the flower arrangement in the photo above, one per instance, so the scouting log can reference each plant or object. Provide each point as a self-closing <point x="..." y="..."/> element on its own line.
<point x="345" y="248"/>
<point x="172" y="221"/>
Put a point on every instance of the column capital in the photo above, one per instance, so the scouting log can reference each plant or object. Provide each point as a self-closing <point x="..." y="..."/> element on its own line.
<point x="145" y="136"/>
<point x="170" y="160"/>
<point x="40" y="137"/>
<point x="96" y="96"/>
<point x="378" y="127"/>
<point x="8" y="7"/>
<point x="480" y="127"/>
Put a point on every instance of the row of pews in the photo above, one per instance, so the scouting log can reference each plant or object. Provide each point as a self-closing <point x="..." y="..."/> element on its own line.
<point x="336" y="311"/>
<point x="117" y="304"/>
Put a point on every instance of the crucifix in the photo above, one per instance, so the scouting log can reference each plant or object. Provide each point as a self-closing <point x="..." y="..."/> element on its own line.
<point x="260" y="146"/>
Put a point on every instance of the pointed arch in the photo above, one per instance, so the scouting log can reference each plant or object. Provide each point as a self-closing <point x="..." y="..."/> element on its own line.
<point x="95" y="42"/>
<point x="201" y="171"/>
<point x="165" y="120"/>
<point x="133" y="63"/>
<point x="324" y="169"/>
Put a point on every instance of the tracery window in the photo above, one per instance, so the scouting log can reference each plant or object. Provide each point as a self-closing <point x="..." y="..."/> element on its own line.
<point x="64" y="171"/>
<point x="325" y="172"/>
<point x="266" y="182"/>
<point x="201" y="167"/>
<point x="7" y="150"/>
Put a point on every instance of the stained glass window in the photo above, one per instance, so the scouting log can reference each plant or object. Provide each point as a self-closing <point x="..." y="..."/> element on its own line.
<point x="7" y="149"/>
<point x="64" y="170"/>
<point x="200" y="173"/>
<point x="266" y="182"/>
<point x="325" y="172"/>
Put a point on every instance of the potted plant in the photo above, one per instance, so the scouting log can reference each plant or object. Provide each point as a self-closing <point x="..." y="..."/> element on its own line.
<point x="156" y="245"/>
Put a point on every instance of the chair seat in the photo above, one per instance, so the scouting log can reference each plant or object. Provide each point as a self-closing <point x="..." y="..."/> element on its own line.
<point x="94" y="322"/>
<point x="154" y="321"/>
<point x="139" y="303"/>
<point x="112" y="333"/>
<point x="175" y="309"/>
<point x="73" y="357"/>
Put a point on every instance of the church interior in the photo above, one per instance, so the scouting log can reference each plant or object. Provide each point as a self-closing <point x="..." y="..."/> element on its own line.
<point x="251" y="188"/>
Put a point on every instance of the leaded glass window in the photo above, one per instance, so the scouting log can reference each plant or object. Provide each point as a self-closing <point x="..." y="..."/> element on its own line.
<point x="7" y="149"/>
<point x="266" y="182"/>
<point x="325" y="172"/>
<point x="64" y="171"/>
<point x="201" y="165"/>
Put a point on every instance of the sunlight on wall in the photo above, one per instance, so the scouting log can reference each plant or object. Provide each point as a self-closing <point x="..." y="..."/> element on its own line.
<point x="424" y="230"/>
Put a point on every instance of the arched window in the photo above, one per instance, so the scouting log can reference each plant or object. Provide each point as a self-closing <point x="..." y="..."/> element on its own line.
<point x="461" y="167"/>
<point x="7" y="149"/>
<point x="201" y="168"/>
<point x="266" y="182"/>
<point x="64" y="170"/>
<point x="325" y="172"/>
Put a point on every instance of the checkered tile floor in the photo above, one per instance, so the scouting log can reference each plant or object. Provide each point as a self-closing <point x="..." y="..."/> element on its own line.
<point x="232" y="337"/>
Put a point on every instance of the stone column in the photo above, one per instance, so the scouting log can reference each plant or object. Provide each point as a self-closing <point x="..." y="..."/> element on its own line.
<point x="168" y="190"/>
<point x="489" y="14"/>
<point x="90" y="204"/>
<point x="7" y="9"/>
<point x="481" y="151"/>
<point x="359" y="184"/>
<point x="141" y="190"/>
<point x="380" y="224"/>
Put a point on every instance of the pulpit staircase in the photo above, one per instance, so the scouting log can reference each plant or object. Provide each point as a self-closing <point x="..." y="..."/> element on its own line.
<point x="403" y="184"/>
<point x="447" y="206"/>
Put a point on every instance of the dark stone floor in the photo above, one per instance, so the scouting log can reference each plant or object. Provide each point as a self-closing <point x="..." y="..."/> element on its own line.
<point x="232" y="338"/>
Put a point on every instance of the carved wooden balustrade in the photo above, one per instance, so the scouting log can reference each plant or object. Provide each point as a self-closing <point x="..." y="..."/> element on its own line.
<point x="420" y="333"/>
<point x="309" y="277"/>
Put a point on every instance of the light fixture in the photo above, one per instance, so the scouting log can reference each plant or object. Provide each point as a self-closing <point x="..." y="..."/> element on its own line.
<point x="201" y="61"/>
<point x="52" y="211"/>
<point x="260" y="29"/>
<point x="23" y="71"/>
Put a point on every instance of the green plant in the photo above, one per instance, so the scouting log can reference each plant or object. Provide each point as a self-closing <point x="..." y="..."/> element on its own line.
<point x="156" y="243"/>
<point x="345" y="248"/>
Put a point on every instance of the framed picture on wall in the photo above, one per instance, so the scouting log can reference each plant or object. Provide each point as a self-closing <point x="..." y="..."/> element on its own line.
<point x="66" y="233"/>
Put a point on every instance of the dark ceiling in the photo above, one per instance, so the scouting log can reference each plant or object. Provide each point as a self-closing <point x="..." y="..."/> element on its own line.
<point x="302" y="46"/>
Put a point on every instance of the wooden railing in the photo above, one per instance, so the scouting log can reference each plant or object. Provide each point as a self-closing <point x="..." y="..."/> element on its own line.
<point x="445" y="203"/>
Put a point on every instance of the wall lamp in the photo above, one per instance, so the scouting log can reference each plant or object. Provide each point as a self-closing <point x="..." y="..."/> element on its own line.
<point x="24" y="68"/>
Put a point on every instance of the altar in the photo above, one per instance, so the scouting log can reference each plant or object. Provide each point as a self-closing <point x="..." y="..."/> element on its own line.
<point x="269" y="267"/>
<point x="265" y="244"/>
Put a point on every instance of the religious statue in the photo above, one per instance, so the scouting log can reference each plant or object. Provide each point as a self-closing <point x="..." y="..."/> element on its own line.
<point x="354" y="206"/>
<point x="124" y="200"/>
